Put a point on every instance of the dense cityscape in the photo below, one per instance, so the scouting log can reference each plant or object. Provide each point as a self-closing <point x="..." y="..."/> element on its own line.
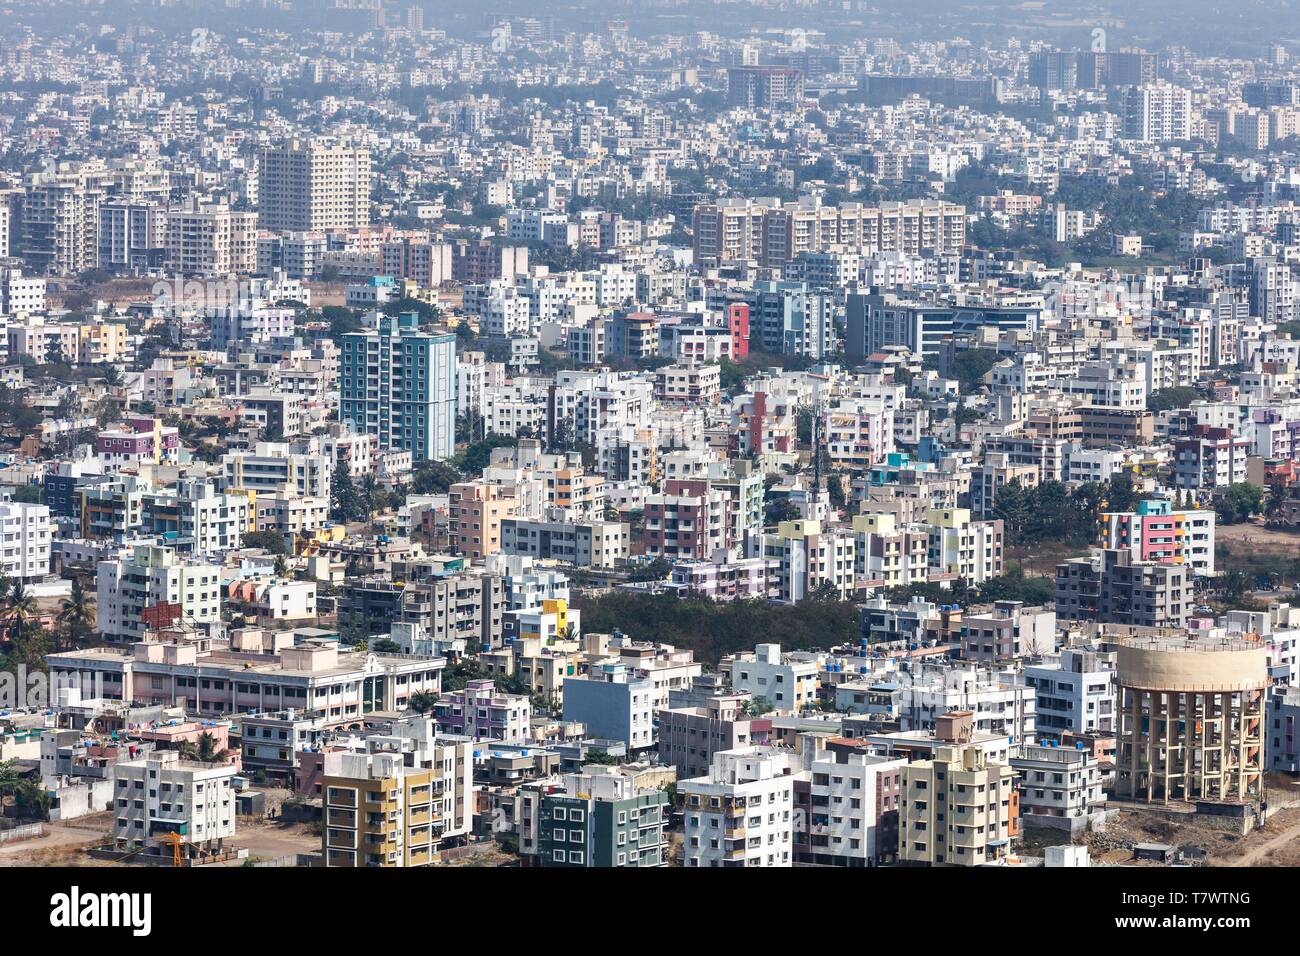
<point x="648" y="434"/>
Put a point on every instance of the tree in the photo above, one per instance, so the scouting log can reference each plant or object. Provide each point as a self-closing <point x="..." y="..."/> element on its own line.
<point x="835" y="488"/>
<point x="1238" y="502"/>
<point x="344" y="502"/>
<point x="107" y="411"/>
<point x="269" y="541"/>
<point x="656" y="570"/>
<point x="1235" y="583"/>
<point x="370" y="495"/>
<point x="599" y="757"/>
<point x="469" y="426"/>
<point x="476" y="457"/>
<point x="342" y="321"/>
<point x="1011" y="505"/>
<point x="971" y="365"/>
<point x="204" y="750"/>
<point x="562" y="436"/>
<point x="422" y="701"/>
<point x="20" y="612"/>
<point x="1164" y="399"/>
<point x="77" y="615"/>
<point x="824" y="591"/>
<point x="1278" y="495"/>
<point x="433" y="478"/>
<point x="29" y="494"/>
<point x="1121" y="495"/>
<point x="28" y="647"/>
<point x="54" y="352"/>
<point x="30" y="799"/>
<point x="778" y="509"/>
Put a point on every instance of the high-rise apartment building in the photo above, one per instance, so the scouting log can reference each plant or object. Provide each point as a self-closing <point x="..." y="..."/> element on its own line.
<point x="774" y="233"/>
<point x="399" y="384"/>
<point x="61" y="218"/>
<point x="314" y="184"/>
<point x="211" y="239"/>
<point x="1155" y="112"/>
<point x="764" y="87"/>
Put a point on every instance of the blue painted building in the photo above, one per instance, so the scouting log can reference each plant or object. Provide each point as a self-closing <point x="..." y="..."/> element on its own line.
<point x="399" y="384"/>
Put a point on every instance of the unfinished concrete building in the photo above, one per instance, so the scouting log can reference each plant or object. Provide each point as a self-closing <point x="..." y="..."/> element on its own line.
<point x="1192" y="718"/>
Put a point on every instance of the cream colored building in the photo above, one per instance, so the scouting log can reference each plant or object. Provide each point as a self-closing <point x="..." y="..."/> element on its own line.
<point x="211" y="239"/>
<point x="308" y="185"/>
<point x="957" y="810"/>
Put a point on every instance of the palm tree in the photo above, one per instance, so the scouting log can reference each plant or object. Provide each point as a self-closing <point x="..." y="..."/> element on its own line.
<point x="20" y="610"/>
<point x="77" y="614"/>
<point x="204" y="751"/>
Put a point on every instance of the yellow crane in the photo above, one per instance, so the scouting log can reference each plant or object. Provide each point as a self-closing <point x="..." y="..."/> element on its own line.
<point x="176" y="841"/>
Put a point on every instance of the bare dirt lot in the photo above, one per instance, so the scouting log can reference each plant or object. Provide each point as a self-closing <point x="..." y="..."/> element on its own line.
<point x="268" y="840"/>
<point x="1042" y="557"/>
<point x="61" y="844"/>
<point x="1258" y="537"/>
<point x="1277" y="843"/>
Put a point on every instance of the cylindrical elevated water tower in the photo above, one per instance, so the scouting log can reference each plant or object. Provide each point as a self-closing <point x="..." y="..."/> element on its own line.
<point x="1191" y="718"/>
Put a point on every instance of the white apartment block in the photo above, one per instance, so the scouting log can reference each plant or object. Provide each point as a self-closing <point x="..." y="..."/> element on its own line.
<point x="211" y="239"/>
<point x="1001" y="706"/>
<point x="288" y="514"/>
<point x="20" y="294"/>
<point x="26" y="546"/>
<point x="788" y="682"/>
<point x="742" y="812"/>
<point x="1155" y="112"/>
<point x="850" y="793"/>
<point x="153" y="576"/>
<point x="272" y="468"/>
<point x="1074" y="693"/>
<point x="164" y="794"/>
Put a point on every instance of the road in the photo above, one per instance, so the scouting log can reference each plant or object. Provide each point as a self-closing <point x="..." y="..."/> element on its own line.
<point x="1253" y="856"/>
<point x="74" y="833"/>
